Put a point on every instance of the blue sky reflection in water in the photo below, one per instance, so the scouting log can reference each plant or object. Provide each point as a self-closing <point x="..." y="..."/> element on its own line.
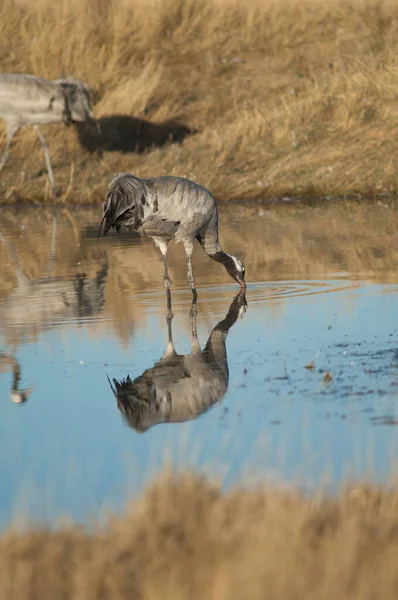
<point x="67" y="450"/>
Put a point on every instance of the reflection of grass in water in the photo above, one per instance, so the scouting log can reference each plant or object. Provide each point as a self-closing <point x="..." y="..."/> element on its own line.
<point x="183" y="538"/>
<point x="294" y="98"/>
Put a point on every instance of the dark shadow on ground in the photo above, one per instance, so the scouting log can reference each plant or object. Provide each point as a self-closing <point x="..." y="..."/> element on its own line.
<point x="122" y="133"/>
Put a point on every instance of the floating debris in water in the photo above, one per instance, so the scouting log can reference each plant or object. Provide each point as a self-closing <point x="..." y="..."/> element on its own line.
<point x="384" y="420"/>
<point x="327" y="378"/>
<point x="311" y="364"/>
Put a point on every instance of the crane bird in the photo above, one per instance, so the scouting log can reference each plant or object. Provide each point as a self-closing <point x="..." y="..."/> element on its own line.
<point x="180" y="387"/>
<point x="166" y="208"/>
<point x="29" y="100"/>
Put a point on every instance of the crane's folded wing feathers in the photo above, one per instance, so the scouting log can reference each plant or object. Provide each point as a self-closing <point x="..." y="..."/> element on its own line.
<point x="155" y="226"/>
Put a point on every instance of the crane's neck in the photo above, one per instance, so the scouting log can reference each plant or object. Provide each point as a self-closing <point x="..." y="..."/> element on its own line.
<point x="232" y="264"/>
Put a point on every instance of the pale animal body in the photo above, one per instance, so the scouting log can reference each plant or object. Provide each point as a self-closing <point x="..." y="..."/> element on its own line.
<point x="29" y="100"/>
<point x="180" y="387"/>
<point x="167" y="208"/>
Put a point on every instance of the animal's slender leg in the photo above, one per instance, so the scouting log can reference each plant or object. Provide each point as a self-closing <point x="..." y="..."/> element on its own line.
<point x="188" y="245"/>
<point x="46" y="157"/>
<point x="169" y="318"/>
<point x="169" y="314"/>
<point x="166" y="278"/>
<point x="162" y="245"/>
<point x="12" y="129"/>
<point x="193" y="311"/>
<point x="167" y="282"/>
<point x="191" y="279"/>
<point x="189" y="249"/>
<point x="195" y="346"/>
<point x="53" y="246"/>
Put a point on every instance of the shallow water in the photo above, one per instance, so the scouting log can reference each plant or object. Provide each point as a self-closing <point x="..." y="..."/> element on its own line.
<point x="313" y="362"/>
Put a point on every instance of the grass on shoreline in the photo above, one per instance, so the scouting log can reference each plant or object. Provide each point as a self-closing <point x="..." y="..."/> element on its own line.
<point x="286" y="98"/>
<point x="183" y="539"/>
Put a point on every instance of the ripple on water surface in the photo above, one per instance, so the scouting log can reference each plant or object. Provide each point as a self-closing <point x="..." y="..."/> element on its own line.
<point x="302" y="384"/>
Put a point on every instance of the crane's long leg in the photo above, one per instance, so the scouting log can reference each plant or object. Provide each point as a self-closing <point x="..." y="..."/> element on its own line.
<point x="169" y="314"/>
<point x="167" y="282"/>
<point x="191" y="279"/>
<point x="166" y="278"/>
<point x="12" y="129"/>
<point x="46" y="157"/>
<point x="162" y="245"/>
<point x="169" y="318"/>
<point x="188" y="250"/>
<point x="195" y="346"/>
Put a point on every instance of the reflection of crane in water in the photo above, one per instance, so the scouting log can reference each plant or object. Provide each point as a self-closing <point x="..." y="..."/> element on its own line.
<point x="50" y="299"/>
<point x="180" y="387"/>
<point x="8" y="362"/>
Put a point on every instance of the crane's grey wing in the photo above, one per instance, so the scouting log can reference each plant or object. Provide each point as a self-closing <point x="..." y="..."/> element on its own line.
<point x="156" y="226"/>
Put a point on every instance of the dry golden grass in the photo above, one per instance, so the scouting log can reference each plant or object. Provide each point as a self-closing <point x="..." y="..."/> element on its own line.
<point x="184" y="539"/>
<point x="287" y="97"/>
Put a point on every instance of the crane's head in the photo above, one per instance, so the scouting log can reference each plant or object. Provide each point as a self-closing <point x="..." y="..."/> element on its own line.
<point x="240" y="273"/>
<point x="77" y="101"/>
<point x="235" y="268"/>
